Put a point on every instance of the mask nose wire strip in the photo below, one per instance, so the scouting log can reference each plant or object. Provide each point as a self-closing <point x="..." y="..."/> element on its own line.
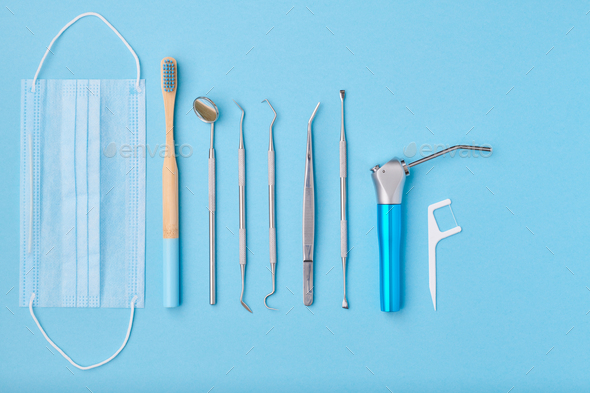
<point x="71" y="23"/>
<point x="30" y="154"/>
<point x="66" y="356"/>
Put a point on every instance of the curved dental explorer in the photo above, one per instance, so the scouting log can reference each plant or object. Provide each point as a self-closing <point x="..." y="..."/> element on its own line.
<point x="272" y="230"/>
<point x="308" y="218"/>
<point x="343" y="221"/>
<point x="242" y="187"/>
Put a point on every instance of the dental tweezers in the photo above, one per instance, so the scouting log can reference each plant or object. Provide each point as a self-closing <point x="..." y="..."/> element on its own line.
<point x="308" y="218"/>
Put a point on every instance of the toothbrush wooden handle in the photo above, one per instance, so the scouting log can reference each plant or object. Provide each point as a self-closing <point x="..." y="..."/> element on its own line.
<point x="170" y="169"/>
<point x="170" y="197"/>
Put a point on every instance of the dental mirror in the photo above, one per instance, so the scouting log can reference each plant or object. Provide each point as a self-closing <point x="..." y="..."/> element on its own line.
<point x="206" y="110"/>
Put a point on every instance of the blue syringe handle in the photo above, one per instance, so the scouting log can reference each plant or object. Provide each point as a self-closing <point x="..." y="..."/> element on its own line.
<point x="389" y="232"/>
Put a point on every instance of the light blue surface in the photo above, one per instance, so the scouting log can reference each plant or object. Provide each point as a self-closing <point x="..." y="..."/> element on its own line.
<point x="506" y="295"/>
<point x="171" y="272"/>
<point x="389" y="223"/>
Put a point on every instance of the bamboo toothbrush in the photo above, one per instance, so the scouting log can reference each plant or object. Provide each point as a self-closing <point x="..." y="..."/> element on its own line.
<point x="170" y="189"/>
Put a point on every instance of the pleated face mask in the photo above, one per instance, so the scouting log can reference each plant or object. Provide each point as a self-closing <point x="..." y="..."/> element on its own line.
<point x="82" y="191"/>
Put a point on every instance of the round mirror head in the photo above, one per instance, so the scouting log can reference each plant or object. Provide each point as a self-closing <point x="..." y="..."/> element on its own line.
<point x="205" y="109"/>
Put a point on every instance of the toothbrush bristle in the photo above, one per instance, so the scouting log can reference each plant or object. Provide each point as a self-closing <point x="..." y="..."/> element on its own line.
<point x="168" y="75"/>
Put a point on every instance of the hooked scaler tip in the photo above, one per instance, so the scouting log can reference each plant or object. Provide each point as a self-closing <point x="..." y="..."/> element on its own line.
<point x="270" y="308"/>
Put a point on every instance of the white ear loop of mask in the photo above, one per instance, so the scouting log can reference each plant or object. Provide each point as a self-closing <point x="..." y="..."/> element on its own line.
<point x="66" y="356"/>
<point x="71" y="23"/>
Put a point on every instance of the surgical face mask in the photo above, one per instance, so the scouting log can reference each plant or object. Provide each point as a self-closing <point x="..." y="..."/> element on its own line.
<point x="82" y="210"/>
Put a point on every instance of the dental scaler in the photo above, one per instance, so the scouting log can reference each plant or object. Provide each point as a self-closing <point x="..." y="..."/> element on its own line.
<point x="389" y="184"/>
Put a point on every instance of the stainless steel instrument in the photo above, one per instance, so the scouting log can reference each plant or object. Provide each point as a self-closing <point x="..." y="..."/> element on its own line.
<point x="343" y="222"/>
<point x="207" y="111"/>
<point x="308" y="218"/>
<point x="272" y="230"/>
<point x="242" y="189"/>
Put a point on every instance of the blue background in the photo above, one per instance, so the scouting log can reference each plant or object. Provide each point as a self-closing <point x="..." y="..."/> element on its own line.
<point x="512" y="285"/>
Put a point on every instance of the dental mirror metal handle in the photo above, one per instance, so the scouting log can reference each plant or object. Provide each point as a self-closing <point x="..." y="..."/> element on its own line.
<point x="207" y="111"/>
<point x="389" y="183"/>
